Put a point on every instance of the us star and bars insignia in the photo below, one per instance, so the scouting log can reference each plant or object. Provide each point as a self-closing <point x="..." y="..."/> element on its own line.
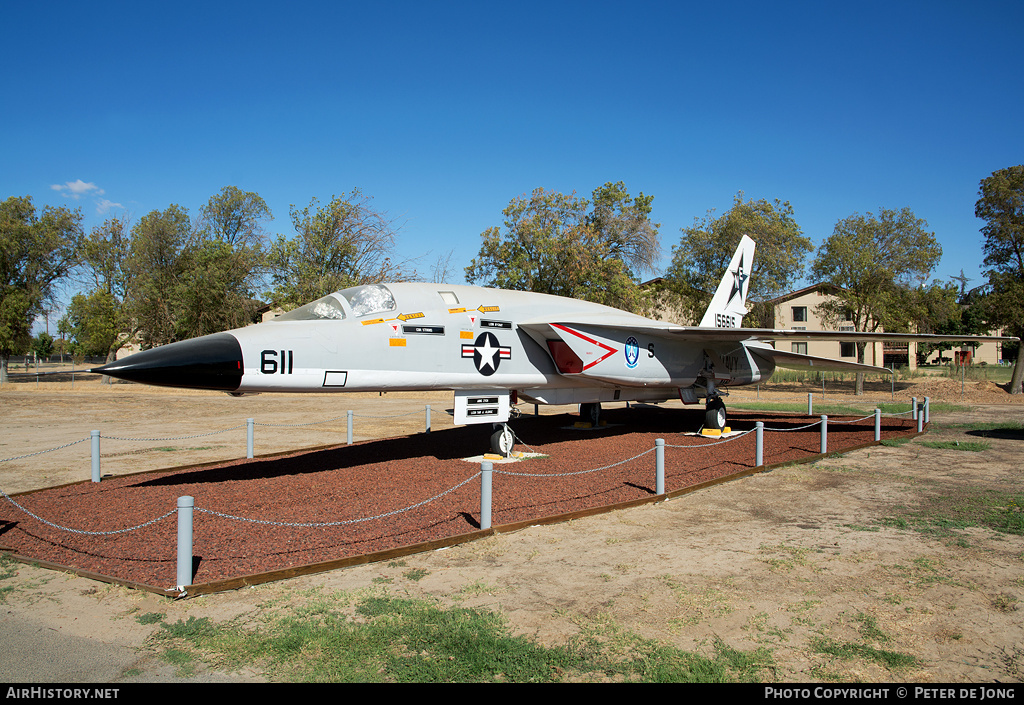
<point x="487" y="354"/>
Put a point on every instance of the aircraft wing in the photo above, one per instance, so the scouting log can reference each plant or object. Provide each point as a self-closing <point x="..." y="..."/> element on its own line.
<point x="628" y="322"/>
<point x="592" y="341"/>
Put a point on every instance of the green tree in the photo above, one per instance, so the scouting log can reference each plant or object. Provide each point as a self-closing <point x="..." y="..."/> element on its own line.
<point x="37" y="252"/>
<point x="237" y="218"/>
<point x="339" y="245"/>
<point x="43" y="345"/>
<point x="158" y="260"/>
<point x="225" y="265"/>
<point x="168" y="278"/>
<point x="554" y="243"/>
<point x="95" y="325"/>
<point x="875" y="261"/>
<point x="624" y="224"/>
<point x="99" y="322"/>
<point x="700" y="259"/>
<point x="1001" y="205"/>
<point x="935" y="308"/>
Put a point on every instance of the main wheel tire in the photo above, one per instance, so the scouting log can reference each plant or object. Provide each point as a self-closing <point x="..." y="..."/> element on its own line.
<point x="714" y="416"/>
<point x="591" y="413"/>
<point x="502" y="441"/>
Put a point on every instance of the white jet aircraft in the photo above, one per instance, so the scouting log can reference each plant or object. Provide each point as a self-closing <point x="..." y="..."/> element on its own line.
<point x="494" y="349"/>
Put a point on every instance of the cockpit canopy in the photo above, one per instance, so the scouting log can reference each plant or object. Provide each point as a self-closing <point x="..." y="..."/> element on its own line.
<point x="362" y="301"/>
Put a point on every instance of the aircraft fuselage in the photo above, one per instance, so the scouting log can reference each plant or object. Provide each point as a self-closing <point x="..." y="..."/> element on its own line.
<point x="420" y="337"/>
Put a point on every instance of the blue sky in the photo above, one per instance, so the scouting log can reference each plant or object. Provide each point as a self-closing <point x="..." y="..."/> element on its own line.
<point x="445" y="111"/>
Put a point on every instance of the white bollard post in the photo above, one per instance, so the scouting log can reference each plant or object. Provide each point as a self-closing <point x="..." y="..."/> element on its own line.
<point x="927" y="408"/>
<point x="349" y="427"/>
<point x="428" y="418"/>
<point x="878" y="424"/>
<point x="185" y="508"/>
<point x="913" y="400"/>
<point x="486" y="470"/>
<point x="659" y="466"/>
<point x="249" y="440"/>
<point x="810" y="406"/>
<point x="759" y="445"/>
<point x="824" y="434"/>
<point x="95" y="456"/>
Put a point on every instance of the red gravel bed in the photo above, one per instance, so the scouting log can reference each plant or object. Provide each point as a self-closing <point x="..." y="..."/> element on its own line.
<point x="349" y="483"/>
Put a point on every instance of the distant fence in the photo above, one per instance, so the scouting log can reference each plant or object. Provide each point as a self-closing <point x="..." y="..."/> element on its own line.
<point x="186" y="507"/>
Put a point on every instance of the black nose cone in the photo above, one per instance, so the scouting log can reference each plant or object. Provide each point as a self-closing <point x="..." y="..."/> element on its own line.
<point x="210" y="362"/>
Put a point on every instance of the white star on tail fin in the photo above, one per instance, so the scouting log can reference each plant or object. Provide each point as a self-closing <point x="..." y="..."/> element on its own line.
<point x="728" y="306"/>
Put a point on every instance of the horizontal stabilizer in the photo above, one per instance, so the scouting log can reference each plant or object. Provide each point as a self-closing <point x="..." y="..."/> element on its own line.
<point x="797" y="361"/>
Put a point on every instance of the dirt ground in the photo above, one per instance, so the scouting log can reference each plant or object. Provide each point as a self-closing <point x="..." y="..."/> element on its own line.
<point x="786" y="560"/>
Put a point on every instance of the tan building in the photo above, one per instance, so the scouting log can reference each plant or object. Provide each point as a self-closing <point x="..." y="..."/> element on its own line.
<point x="797" y="311"/>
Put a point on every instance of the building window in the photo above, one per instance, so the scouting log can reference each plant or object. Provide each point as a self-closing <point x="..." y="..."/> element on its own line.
<point x="799" y="314"/>
<point x="800" y="348"/>
<point x="847" y="349"/>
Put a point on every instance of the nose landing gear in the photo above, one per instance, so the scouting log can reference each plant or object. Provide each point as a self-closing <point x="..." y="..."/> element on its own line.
<point x="502" y="440"/>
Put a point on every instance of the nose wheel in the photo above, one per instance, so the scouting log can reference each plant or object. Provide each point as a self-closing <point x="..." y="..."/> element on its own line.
<point x="502" y="440"/>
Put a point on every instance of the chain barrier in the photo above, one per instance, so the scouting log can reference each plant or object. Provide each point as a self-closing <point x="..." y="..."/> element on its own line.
<point x="297" y="425"/>
<point x="82" y="531"/>
<point x="391" y="416"/>
<point x="715" y="443"/>
<point x="40" y="452"/>
<point x="318" y="525"/>
<point x="364" y="519"/>
<point x="580" y="472"/>
<point x="797" y="428"/>
<point x="863" y="418"/>
<point x="173" y="438"/>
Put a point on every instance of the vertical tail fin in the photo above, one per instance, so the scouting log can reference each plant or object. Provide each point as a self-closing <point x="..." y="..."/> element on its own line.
<point x="728" y="306"/>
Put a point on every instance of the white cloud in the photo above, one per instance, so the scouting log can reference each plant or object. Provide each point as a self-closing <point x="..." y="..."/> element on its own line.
<point x="103" y="205"/>
<point x="77" y="189"/>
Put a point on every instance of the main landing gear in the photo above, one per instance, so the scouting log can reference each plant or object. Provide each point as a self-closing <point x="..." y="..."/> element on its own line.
<point x="591" y="413"/>
<point x="714" y="414"/>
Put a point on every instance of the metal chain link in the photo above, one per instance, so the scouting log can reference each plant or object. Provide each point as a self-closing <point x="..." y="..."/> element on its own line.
<point x="338" y="523"/>
<point x="798" y="428"/>
<point x="82" y="531"/>
<point x="297" y="425"/>
<point x="863" y="418"/>
<point x="581" y="472"/>
<point x="49" y="450"/>
<point x="174" y="438"/>
<point x="355" y="521"/>
<point x="714" y="443"/>
<point x="393" y="416"/>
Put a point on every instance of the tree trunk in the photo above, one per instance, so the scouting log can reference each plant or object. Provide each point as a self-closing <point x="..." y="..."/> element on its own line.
<point x="1018" y="371"/>
<point x="859" y="387"/>
<point x="111" y="356"/>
